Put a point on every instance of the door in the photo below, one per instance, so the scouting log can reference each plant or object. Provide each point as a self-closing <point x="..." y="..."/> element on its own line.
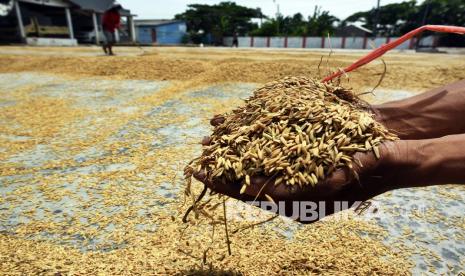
<point x="154" y="35"/>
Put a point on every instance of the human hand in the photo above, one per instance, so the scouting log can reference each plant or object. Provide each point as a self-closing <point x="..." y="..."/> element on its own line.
<point x="375" y="176"/>
<point x="403" y="163"/>
<point x="432" y="114"/>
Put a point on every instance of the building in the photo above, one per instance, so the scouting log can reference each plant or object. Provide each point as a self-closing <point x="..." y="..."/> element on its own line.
<point x="58" y="22"/>
<point x="353" y="30"/>
<point x="160" y="32"/>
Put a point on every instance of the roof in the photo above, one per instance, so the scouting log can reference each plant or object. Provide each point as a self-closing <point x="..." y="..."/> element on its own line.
<point x="99" y="6"/>
<point x="125" y="12"/>
<point x="90" y="5"/>
<point x="155" y="22"/>
<point x="360" y="28"/>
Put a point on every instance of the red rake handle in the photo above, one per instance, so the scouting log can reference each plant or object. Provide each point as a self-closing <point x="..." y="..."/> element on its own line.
<point x="376" y="53"/>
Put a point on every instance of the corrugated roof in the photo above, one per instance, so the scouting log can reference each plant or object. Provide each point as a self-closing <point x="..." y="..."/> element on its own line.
<point x="99" y="6"/>
<point x="155" y="22"/>
<point x="92" y="5"/>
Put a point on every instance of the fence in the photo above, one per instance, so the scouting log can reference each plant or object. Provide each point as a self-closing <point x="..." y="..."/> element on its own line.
<point x="325" y="42"/>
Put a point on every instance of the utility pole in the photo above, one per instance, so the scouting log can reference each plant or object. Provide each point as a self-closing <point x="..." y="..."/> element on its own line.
<point x="423" y="22"/>
<point x="277" y="17"/>
<point x="376" y="21"/>
<point x="19" y="17"/>
<point x="425" y="14"/>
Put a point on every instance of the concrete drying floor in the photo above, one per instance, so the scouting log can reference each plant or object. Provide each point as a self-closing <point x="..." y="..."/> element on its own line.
<point x="78" y="150"/>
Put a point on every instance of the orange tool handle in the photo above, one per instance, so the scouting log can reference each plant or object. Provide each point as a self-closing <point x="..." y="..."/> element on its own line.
<point x="376" y="53"/>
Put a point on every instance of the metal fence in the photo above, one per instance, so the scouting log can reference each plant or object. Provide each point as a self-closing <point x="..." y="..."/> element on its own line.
<point x="325" y="42"/>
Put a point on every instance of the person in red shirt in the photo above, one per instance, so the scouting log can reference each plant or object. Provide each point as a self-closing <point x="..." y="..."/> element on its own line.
<point x="110" y="22"/>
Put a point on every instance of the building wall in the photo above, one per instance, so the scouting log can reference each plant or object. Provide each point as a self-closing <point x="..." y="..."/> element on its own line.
<point x="353" y="42"/>
<point x="325" y="42"/>
<point x="164" y="34"/>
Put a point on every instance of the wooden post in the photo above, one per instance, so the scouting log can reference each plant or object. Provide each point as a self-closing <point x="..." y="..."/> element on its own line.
<point x="388" y="39"/>
<point x="268" y="42"/>
<point x="304" y="42"/>
<point x="285" y="42"/>
<point x="251" y="41"/>
<point x="343" y="43"/>
<point x="97" y="34"/>
<point x="131" y="29"/>
<point x="70" y="23"/>
<point x="22" y="32"/>
<point x="117" y="38"/>
<point x="323" y="42"/>
<point x="365" y="40"/>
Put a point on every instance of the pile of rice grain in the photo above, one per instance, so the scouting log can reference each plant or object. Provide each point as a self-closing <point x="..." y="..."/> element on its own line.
<point x="298" y="130"/>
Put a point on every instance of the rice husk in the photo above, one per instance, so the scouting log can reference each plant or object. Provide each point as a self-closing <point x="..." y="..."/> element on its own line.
<point x="297" y="130"/>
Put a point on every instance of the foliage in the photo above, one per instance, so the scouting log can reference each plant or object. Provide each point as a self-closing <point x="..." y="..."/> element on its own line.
<point x="320" y="23"/>
<point x="398" y="18"/>
<point x="225" y="18"/>
<point x="228" y="18"/>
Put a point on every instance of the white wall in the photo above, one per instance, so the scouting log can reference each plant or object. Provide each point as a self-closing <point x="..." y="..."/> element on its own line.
<point x="315" y="42"/>
<point x="403" y="46"/>
<point x="244" y="41"/>
<point x="334" y="42"/>
<point x="259" y="42"/>
<point x="294" y="42"/>
<point x="427" y="40"/>
<point x="227" y="41"/>
<point x="277" y="42"/>
<point x="353" y="42"/>
<point x="43" y="41"/>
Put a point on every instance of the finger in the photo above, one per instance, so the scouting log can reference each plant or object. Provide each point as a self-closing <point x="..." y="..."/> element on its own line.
<point x="363" y="163"/>
<point x="229" y="189"/>
<point x="263" y="185"/>
<point x="337" y="180"/>
<point x="201" y="176"/>
<point x="206" y="140"/>
<point x="217" y="120"/>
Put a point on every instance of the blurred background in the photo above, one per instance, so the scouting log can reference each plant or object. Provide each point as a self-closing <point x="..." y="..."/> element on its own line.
<point x="265" y="23"/>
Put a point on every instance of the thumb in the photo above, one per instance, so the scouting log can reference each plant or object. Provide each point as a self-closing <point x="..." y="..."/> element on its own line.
<point x="363" y="162"/>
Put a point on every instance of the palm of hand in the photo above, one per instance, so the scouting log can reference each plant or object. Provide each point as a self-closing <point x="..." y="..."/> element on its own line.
<point x="340" y="186"/>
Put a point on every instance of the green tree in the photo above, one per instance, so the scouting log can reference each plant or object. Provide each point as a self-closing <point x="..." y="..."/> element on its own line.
<point x="443" y="12"/>
<point x="223" y="19"/>
<point x="318" y="24"/>
<point x="399" y="18"/>
<point x="393" y="18"/>
<point x="321" y="23"/>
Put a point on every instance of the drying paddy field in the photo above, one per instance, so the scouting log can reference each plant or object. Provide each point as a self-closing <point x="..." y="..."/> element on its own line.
<point x="92" y="151"/>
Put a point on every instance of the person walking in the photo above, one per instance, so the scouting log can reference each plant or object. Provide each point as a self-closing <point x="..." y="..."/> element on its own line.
<point x="111" y="21"/>
<point x="235" y="42"/>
